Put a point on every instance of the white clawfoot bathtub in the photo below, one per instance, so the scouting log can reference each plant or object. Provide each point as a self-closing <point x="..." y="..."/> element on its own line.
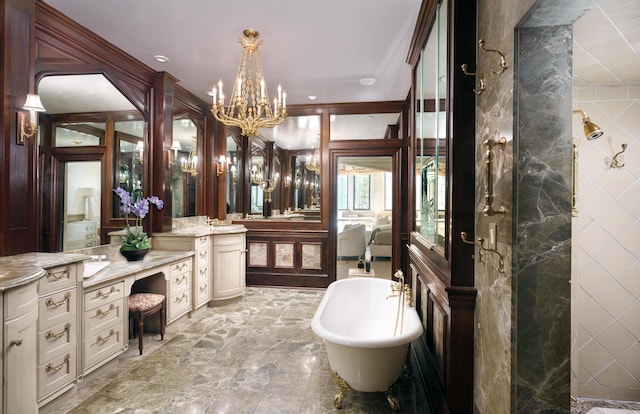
<point x="356" y="319"/>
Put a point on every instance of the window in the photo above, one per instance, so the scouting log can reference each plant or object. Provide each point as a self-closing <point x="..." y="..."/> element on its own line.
<point x="361" y="192"/>
<point x="343" y="192"/>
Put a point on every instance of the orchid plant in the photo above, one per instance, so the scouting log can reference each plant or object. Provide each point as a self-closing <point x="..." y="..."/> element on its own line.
<point x="136" y="239"/>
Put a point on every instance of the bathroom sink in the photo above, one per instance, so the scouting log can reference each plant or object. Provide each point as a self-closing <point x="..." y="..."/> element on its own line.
<point x="91" y="268"/>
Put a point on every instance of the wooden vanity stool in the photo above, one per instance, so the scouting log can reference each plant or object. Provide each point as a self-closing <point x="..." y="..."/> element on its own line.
<point x="142" y="305"/>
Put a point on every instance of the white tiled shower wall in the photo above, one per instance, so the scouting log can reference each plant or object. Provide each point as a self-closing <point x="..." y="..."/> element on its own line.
<point x="605" y="351"/>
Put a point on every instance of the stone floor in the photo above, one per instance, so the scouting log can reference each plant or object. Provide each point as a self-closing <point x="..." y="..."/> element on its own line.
<point x="256" y="354"/>
<point x="591" y="406"/>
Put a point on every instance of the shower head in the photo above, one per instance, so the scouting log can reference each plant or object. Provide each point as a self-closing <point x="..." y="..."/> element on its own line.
<point x="591" y="130"/>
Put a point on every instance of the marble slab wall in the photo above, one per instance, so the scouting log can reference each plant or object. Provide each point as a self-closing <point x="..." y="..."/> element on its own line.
<point x="523" y="314"/>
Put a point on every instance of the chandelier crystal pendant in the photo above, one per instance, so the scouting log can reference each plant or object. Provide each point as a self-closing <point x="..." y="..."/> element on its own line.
<point x="249" y="108"/>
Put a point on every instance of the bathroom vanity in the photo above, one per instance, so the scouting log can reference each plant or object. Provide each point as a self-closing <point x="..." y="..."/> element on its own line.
<point x="59" y="325"/>
<point x="220" y="257"/>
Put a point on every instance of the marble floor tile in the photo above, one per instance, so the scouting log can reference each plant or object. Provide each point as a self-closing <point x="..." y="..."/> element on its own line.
<point x="254" y="355"/>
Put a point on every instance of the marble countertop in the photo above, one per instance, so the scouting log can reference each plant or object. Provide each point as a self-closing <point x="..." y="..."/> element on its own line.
<point x="27" y="267"/>
<point x="119" y="266"/>
<point x="24" y="268"/>
<point x="205" y="230"/>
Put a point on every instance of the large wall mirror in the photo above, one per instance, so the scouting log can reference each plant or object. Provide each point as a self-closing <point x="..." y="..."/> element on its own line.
<point x="185" y="165"/>
<point x="87" y="118"/>
<point x="430" y="133"/>
<point x="285" y="170"/>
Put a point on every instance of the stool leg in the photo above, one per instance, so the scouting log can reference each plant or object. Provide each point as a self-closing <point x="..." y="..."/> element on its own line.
<point x="162" y="322"/>
<point x="140" y="332"/>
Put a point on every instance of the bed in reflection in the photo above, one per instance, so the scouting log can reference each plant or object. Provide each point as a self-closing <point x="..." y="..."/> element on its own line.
<point x="380" y="241"/>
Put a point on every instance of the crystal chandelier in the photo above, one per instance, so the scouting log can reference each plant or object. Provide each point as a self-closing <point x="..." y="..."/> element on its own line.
<point x="313" y="161"/>
<point x="249" y="108"/>
<point x="190" y="165"/>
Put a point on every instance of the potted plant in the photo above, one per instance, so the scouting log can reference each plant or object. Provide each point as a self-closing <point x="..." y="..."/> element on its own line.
<point x="135" y="245"/>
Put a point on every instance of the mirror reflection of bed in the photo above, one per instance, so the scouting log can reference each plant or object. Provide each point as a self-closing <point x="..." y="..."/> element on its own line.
<point x="364" y="212"/>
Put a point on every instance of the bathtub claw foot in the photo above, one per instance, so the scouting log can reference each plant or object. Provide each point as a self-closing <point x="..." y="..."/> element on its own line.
<point x="392" y="400"/>
<point x="343" y="390"/>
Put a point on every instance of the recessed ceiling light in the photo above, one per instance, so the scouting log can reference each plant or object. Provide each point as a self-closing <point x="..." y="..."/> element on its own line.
<point x="367" y="81"/>
<point x="312" y="97"/>
<point x="161" y="59"/>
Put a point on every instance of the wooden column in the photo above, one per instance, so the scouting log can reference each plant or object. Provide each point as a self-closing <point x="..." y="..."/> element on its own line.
<point x="18" y="162"/>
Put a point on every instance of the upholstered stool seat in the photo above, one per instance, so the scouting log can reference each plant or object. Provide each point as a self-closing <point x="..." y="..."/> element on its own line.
<point x="145" y="304"/>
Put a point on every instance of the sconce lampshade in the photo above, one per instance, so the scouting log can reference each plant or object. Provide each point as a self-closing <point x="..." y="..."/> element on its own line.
<point x="33" y="103"/>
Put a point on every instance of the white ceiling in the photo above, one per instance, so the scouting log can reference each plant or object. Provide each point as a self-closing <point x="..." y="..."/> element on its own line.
<point x="320" y="48"/>
<point x="607" y="45"/>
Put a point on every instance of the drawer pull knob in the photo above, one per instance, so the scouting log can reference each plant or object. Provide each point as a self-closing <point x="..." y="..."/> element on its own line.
<point x="56" y="368"/>
<point x="180" y="280"/>
<point x="203" y="288"/>
<point x="101" y="340"/>
<point x="203" y="271"/>
<point x="51" y="335"/>
<point x="181" y="266"/>
<point x="100" y="312"/>
<point x="181" y="298"/>
<point x="59" y="275"/>
<point x="106" y="295"/>
<point x="16" y="342"/>
<point x="203" y="254"/>
<point x="51" y="302"/>
<point x="203" y="240"/>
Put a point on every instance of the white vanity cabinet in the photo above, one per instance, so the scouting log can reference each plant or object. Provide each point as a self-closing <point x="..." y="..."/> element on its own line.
<point x="19" y="306"/>
<point x="201" y="245"/>
<point x="57" y="331"/>
<point x="105" y="334"/>
<point x="179" y="290"/>
<point x="229" y="265"/>
<point x="80" y="234"/>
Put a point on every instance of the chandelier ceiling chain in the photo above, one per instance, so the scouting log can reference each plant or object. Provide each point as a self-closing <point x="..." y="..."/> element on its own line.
<point x="249" y="108"/>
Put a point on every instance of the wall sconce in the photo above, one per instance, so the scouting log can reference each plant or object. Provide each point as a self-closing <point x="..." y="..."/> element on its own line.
<point x="29" y="129"/>
<point x="287" y="181"/>
<point x="140" y="149"/>
<point x="175" y="147"/>
<point x="256" y="174"/>
<point x="222" y="165"/>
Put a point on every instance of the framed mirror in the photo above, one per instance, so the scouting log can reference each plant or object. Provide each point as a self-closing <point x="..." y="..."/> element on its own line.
<point x="81" y="129"/>
<point x="234" y="156"/>
<point x="185" y="166"/>
<point x="430" y="133"/>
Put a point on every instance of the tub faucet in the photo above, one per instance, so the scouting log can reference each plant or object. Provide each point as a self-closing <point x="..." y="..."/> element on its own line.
<point x="399" y="288"/>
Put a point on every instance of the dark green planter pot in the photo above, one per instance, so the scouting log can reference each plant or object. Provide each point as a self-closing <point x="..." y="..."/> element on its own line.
<point x="134" y="255"/>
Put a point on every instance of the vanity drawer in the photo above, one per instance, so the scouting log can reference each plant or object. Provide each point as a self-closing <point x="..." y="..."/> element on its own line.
<point x="58" y="278"/>
<point x="104" y="295"/>
<point x="202" y="258"/>
<point x="103" y="317"/>
<point x="57" y="340"/>
<point x="202" y="242"/>
<point x="183" y="266"/>
<point x="56" y="373"/>
<point x="227" y="239"/>
<point x="99" y="347"/>
<point x="56" y="308"/>
<point x="201" y="291"/>
<point x="20" y="300"/>
<point x="178" y="305"/>
<point x="179" y="283"/>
